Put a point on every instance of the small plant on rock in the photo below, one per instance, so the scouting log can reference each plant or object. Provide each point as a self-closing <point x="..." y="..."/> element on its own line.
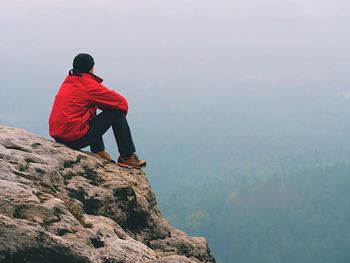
<point x="77" y="212"/>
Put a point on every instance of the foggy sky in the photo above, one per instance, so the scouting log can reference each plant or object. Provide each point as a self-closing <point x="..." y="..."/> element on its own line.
<point x="172" y="56"/>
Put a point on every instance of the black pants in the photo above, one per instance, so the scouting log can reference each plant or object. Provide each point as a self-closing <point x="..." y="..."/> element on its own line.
<point x="98" y="126"/>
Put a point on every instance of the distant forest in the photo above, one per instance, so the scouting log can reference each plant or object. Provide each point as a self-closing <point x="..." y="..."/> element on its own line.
<point x="279" y="214"/>
<point x="265" y="179"/>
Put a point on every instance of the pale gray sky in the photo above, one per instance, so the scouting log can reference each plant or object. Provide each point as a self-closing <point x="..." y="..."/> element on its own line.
<point x="171" y="55"/>
<point x="40" y="33"/>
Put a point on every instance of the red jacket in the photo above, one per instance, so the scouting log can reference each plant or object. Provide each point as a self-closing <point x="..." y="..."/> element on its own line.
<point x="76" y="102"/>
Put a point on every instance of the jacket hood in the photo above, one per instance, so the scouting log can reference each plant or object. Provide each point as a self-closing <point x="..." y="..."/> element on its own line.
<point x="87" y="75"/>
<point x="93" y="76"/>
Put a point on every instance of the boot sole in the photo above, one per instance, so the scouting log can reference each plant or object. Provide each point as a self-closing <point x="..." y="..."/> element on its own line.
<point x="131" y="166"/>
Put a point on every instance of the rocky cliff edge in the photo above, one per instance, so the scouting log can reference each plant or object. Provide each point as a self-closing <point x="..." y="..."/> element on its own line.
<point x="60" y="205"/>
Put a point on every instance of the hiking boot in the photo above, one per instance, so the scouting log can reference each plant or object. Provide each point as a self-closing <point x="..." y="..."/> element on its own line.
<point x="105" y="155"/>
<point x="131" y="162"/>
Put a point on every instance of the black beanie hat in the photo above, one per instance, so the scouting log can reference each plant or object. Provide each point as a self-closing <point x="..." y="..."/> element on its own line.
<point x="83" y="63"/>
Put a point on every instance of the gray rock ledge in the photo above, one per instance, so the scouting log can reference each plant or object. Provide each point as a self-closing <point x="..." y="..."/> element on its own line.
<point x="60" y="205"/>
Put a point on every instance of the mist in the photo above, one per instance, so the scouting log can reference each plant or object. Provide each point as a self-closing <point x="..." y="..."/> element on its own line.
<point x="220" y="92"/>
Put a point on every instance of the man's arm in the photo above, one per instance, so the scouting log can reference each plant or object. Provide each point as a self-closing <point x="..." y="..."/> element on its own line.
<point x="105" y="98"/>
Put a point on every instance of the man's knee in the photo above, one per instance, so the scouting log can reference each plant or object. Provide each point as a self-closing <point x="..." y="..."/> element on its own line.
<point x="116" y="113"/>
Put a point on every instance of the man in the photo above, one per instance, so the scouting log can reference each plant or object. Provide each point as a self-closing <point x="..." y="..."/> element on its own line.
<point x="73" y="120"/>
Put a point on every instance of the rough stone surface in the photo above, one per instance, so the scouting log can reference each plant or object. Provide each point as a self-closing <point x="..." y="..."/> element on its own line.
<point x="60" y="205"/>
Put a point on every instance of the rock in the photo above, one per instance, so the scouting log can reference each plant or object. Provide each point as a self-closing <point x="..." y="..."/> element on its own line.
<point x="60" y="205"/>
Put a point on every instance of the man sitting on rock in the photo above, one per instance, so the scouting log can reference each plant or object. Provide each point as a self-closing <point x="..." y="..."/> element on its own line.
<point x="73" y="120"/>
